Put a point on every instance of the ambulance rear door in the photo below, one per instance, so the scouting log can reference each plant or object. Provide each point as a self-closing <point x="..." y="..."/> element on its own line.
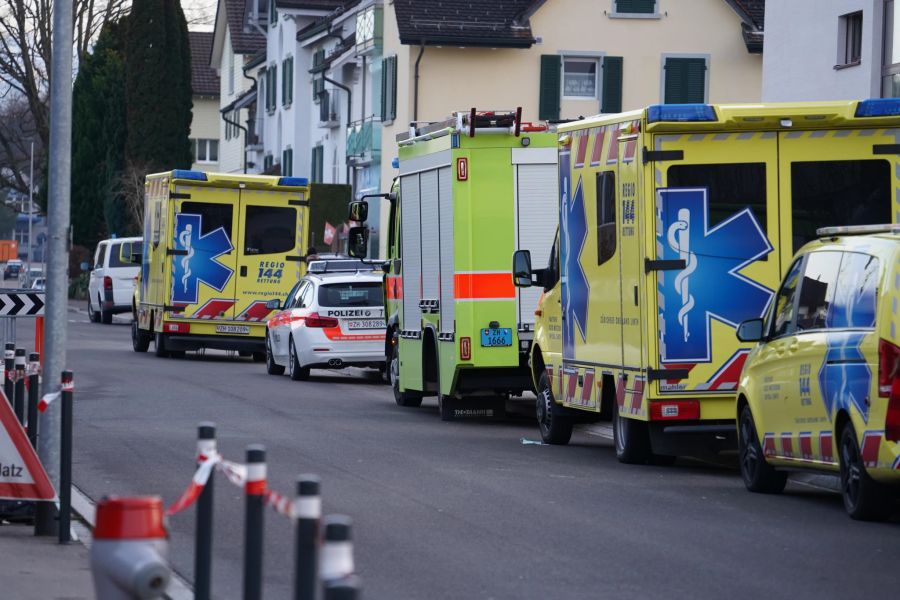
<point x="269" y="250"/>
<point x="717" y="261"/>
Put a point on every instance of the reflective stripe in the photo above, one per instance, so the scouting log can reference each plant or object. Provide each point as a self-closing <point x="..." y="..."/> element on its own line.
<point x="496" y="285"/>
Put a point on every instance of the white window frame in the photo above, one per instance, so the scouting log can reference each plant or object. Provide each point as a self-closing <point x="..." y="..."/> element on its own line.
<point x="597" y="59"/>
<point x="207" y="142"/>
<point x="614" y="14"/>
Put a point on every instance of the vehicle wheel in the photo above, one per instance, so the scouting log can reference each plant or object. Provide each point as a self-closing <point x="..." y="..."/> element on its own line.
<point x="632" y="440"/>
<point x="407" y="399"/>
<point x="272" y="368"/>
<point x="105" y="317"/>
<point x="446" y="406"/>
<point x="176" y="353"/>
<point x="758" y="475"/>
<point x="159" y="343"/>
<point x="93" y="315"/>
<point x="864" y="498"/>
<point x="259" y="357"/>
<point x="556" y="428"/>
<point x="140" y="341"/>
<point x="296" y="372"/>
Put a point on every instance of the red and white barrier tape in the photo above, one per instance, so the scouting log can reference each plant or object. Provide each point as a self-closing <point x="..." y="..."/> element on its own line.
<point x="198" y="482"/>
<point x="48" y="399"/>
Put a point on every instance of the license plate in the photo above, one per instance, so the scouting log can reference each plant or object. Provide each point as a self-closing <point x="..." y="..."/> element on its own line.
<point x="242" y="329"/>
<point x="496" y="337"/>
<point x="366" y="324"/>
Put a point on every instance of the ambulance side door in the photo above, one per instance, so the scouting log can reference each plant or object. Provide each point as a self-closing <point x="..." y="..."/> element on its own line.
<point x="202" y="253"/>
<point x="630" y="253"/>
<point x="270" y="238"/>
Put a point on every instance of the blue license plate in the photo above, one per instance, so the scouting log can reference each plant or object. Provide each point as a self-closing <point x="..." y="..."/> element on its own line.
<point x="496" y="337"/>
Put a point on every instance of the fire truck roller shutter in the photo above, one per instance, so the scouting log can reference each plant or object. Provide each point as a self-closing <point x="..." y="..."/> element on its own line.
<point x="428" y="192"/>
<point x="410" y="252"/>
<point x="445" y="204"/>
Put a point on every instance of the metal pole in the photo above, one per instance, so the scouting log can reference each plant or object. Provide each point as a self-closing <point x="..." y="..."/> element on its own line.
<point x="206" y="447"/>
<point x="58" y="216"/>
<point x="346" y="588"/>
<point x="34" y="368"/>
<point x="308" y="512"/>
<point x="30" y="206"/>
<point x="19" y="404"/>
<point x="254" y="490"/>
<point x="9" y="369"/>
<point x="65" y="467"/>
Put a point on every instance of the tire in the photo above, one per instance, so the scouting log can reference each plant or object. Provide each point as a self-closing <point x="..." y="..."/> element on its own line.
<point x="446" y="407"/>
<point x="159" y="345"/>
<point x="406" y="399"/>
<point x="93" y="315"/>
<point x="632" y="440"/>
<point x="140" y="341"/>
<point x="864" y="498"/>
<point x="758" y="475"/>
<point x="105" y="317"/>
<point x="296" y="372"/>
<point x="272" y="368"/>
<point x="554" y="425"/>
<point x="259" y="357"/>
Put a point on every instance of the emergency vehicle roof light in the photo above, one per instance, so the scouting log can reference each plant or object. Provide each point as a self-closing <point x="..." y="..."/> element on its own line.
<point x="857" y="229"/>
<point x="680" y="112"/>
<point x="293" y="181"/>
<point x="878" y="107"/>
<point x="395" y="163"/>
<point x="186" y="174"/>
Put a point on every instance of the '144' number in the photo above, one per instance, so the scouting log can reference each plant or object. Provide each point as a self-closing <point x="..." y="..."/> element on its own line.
<point x="269" y="273"/>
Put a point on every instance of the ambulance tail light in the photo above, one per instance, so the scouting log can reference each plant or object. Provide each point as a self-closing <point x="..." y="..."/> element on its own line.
<point x="888" y="367"/>
<point x="878" y="107"/>
<point x="315" y="320"/>
<point x="675" y="410"/>
<point x="169" y="327"/>
<point x="681" y="113"/>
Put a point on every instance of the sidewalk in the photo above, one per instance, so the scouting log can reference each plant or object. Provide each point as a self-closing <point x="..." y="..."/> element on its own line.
<point x="38" y="568"/>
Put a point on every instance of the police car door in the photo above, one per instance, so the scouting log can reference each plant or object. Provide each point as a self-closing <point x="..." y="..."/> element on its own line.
<point x="715" y="197"/>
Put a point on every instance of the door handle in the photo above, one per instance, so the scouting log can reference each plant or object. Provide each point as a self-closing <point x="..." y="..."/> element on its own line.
<point x="779" y="349"/>
<point x="793" y="347"/>
<point x="243" y="271"/>
<point x="635" y="295"/>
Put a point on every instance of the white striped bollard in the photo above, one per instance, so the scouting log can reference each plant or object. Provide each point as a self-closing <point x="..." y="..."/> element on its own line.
<point x="308" y="513"/>
<point x="337" y="551"/>
<point x="206" y="447"/>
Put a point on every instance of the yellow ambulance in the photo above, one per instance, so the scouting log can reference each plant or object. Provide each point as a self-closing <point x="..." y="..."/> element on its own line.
<point x="677" y="222"/>
<point x="217" y="248"/>
<point x="821" y="389"/>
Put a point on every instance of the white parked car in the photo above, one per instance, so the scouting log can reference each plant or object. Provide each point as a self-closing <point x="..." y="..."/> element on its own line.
<point x="112" y="279"/>
<point x="329" y="320"/>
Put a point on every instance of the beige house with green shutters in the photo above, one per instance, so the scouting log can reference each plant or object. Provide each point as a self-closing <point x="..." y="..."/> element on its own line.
<point x="561" y="59"/>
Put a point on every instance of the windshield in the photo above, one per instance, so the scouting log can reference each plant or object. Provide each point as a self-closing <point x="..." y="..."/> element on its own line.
<point x="351" y="294"/>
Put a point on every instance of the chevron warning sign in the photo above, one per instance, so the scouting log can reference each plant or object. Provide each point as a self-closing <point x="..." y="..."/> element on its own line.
<point x="21" y="304"/>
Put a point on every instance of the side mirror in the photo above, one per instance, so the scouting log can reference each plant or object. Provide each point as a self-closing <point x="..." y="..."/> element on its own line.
<point x="358" y="242"/>
<point x="359" y="211"/>
<point x="522" y="268"/>
<point x="85" y="267"/>
<point x="750" y="330"/>
<point x="273" y="304"/>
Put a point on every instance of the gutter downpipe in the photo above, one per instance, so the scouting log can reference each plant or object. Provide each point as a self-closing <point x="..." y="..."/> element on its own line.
<point x="349" y="116"/>
<point x="416" y="83"/>
<point x="242" y="128"/>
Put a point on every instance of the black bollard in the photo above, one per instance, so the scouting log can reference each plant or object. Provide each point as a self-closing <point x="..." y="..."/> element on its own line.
<point x="308" y="513"/>
<point x="19" y="385"/>
<point x="337" y="551"/>
<point x="346" y="588"/>
<point x="9" y="369"/>
<point x="206" y="447"/>
<point x="65" y="459"/>
<point x="34" y="369"/>
<point x="254" y="490"/>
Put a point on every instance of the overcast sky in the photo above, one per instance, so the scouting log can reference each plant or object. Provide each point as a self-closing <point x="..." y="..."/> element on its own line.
<point x="199" y="14"/>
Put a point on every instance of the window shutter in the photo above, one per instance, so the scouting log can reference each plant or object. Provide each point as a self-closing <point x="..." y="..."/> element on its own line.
<point x="389" y="89"/>
<point x="290" y="73"/>
<point x="384" y="89"/>
<point x="551" y="67"/>
<point x="612" y="85"/>
<point x="685" y="81"/>
<point x="636" y="6"/>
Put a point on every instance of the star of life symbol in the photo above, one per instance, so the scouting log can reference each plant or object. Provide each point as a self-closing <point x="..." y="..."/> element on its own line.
<point x="198" y="263"/>
<point x="710" y="286"/>
<point x="573" y="236"/>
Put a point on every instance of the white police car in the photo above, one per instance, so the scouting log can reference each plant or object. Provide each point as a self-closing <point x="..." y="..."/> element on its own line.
<point x="330" y="320"/>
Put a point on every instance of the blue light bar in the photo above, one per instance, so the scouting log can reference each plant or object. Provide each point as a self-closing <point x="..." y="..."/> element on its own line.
<point x="395" y="163"/>
<point x="294" y="181"/>
<point x="185" y="174"/>
<point x="878" y="107"/>
<point x="680" y="113"/>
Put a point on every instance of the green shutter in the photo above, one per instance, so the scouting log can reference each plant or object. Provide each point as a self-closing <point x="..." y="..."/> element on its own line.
<point x="551" y="68"/>
<point x="636" y="6"/>
<point x="685" y="81"/>
<point x="612" y="85"/>
<point x="384" y="89"/>
<point x="290" y="74"/>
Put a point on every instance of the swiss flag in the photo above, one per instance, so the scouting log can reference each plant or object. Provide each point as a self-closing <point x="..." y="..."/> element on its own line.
<point x="22" y="476"/>
<point x="328" y="236"/>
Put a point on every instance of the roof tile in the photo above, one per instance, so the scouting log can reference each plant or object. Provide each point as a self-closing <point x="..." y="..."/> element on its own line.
<point x="204" y="79"/>
<point x="464" y="22"/>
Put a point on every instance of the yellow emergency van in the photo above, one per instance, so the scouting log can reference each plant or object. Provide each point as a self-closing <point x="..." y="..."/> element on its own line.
<point x="677" y="222"/>
<point x="217" y="247"/>
<point x="821" y="389"/>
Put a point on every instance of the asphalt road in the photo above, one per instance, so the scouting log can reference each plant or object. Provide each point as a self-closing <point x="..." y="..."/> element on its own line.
<point x="454" y="510"/>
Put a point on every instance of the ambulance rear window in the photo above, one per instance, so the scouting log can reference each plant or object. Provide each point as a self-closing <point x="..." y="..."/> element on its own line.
<point x="732" y="187"/>
<point x="270" y="229"/>
<point x="212" y="216"/>
<point x="351" y="294"/>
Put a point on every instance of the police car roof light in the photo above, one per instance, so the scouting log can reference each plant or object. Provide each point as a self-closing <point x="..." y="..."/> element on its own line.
<point x="186" y="174"/>
<point x="293" y="181"/>
<point x="857" y="229"/>
<point x="680" y="112"/>
<point x="878" y="107"/>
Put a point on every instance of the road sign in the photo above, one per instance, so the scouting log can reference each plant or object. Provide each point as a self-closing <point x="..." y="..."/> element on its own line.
<point x="21" y="304"/>
<point x="22" y="477"/>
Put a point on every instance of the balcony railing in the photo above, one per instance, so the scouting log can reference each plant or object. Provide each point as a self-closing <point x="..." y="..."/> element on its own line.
<point x="364" y="140"/>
